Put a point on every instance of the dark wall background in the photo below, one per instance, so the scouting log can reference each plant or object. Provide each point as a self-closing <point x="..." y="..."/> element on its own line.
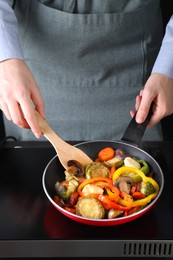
<point x="167" y="122"/>
<point x="167" y="10"/>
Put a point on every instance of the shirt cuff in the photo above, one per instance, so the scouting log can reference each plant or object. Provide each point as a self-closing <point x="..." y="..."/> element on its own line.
<point x="164" y="61"/>
<point x="12" y="49"/>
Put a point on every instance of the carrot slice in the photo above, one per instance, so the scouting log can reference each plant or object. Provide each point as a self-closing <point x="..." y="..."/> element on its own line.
<point x="133" y="210"/>
<point x="73" y="198"/>
<point x="97" y="160"/>
<point x="106" y="154"/>
<point x="71" y="210"/>
<point x="112" y="171"/>
<point x="138" y="195"/>
<point x="133" y="189"/>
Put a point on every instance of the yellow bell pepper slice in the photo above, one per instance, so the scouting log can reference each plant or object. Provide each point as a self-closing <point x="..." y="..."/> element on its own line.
<point x="144" y="201"/>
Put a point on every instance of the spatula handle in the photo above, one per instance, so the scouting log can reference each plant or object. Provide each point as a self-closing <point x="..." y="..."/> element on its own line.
<point x="48" y="132"/>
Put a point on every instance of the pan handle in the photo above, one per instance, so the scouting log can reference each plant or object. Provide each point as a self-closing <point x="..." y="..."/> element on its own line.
<point x="134" y="131"/>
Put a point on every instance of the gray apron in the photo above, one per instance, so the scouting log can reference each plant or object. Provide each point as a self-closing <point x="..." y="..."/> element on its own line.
<point x="90" y="59"/>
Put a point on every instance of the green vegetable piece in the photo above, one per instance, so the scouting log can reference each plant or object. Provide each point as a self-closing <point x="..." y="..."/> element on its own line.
<point x="90" y="207"/>
<point x="72" y="185"/>
<point x="96" y="169"/>
<point x="114" y="161"/>
<point x="147" y="188"/>
<point x="64" y="191"/>
<point x="92" y="164"/>
<point x="134" y="176"/>
<point x="144" y="166"/>
<point x="61" y="191"/>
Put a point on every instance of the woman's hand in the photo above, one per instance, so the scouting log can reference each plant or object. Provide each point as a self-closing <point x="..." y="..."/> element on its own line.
<point x="158" y="89"/>
<point x="19" y="95"/>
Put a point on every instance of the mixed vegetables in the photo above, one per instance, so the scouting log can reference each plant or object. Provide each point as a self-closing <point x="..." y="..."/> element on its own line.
<point x="113" y="185"/>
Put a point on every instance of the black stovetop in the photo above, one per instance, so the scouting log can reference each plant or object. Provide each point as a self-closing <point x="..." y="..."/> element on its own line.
<point x="31" y="227"/>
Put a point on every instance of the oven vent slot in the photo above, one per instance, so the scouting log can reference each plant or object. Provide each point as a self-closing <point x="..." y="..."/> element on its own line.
<point x="149" y="249"/>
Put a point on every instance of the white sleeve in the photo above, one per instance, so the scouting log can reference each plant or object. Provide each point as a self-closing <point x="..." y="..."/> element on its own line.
<point x="9" y="41"/>
<point x="164" y="61"/>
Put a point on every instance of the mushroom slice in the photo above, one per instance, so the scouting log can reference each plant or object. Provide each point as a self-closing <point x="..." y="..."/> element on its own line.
<point x="113" y="213"/>
<point x="124" y="184"/>
<point x="75" y="168"/>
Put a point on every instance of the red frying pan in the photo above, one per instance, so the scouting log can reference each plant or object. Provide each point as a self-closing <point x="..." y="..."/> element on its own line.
<point x="130" y="143"/>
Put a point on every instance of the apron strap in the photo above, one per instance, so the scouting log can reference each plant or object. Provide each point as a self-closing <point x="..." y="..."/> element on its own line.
<point x="2" y="129"/>
<point x="14" y="2"/>
<point x="3" y="137"/>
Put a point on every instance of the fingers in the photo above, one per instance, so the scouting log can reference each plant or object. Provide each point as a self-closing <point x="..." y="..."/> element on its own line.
<point x="20" y="95"/>
<point x="142" y="106"/>
<point x="30" y="118"/>
<point x="144" y="100"/>
<point x="17" y="115"/>
<point x="5" y="109"/>
<point x="21" y="111"/>
<point x="138" y="101"/>
<point x="29" y="115"/>
<point x="143" y="109"/>
<point x="22" y="115"/>
<point x="38" y="102"/>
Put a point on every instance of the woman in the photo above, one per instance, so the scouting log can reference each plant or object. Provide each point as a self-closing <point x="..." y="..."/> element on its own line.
<point x="87" y="60"/>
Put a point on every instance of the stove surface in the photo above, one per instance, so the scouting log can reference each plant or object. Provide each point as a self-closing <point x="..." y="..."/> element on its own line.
<point x="31" y="227"/>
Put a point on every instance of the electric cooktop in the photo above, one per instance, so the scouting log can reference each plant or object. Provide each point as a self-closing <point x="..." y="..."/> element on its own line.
<point x="30" y="227"/>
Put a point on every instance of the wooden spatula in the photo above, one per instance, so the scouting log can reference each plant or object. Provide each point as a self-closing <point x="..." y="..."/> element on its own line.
<point x="65" y="151"/>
